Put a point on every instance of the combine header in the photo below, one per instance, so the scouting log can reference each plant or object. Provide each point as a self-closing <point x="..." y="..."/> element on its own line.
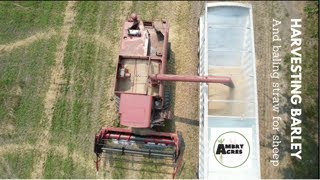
<point x="141" y="99"/>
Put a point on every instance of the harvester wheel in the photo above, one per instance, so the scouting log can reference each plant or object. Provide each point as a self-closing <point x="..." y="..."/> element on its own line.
<point x="166" y="98"/>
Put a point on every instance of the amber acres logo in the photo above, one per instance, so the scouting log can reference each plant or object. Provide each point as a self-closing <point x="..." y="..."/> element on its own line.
<point x="231" y="149"/>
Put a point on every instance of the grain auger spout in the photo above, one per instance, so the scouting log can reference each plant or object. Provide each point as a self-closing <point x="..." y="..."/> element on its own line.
<point x="155" y="78"/>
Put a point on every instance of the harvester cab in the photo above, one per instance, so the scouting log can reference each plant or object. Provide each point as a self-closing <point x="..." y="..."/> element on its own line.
<point x="140" y="95"/>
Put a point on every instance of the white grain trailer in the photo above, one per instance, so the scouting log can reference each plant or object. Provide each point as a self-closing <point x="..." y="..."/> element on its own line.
<point x="229" y="123"/>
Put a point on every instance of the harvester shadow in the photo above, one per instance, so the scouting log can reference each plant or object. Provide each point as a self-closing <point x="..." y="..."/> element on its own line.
<point x="152" y="166"/>
<point x="141" y="170"/>
<point x="171" y="88"/>
<point x="182" y="148"/>
<point x="170" y="126"/>
<point x="171" y="69"/>
<point x="192" y="122"/>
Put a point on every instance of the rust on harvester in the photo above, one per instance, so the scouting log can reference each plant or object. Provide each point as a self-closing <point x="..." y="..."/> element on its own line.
<point x="141" y="99"/>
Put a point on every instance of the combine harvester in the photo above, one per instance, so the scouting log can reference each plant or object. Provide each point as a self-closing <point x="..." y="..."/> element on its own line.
<point x="229" y="124"/>
<point x="141" y="97"/>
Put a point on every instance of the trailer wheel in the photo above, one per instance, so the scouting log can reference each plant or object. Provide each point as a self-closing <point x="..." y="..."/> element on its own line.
<point x="166" y="98"/>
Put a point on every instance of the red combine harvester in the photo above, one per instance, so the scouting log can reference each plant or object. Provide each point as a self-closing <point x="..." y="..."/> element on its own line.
<point x="141" y="100"/>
